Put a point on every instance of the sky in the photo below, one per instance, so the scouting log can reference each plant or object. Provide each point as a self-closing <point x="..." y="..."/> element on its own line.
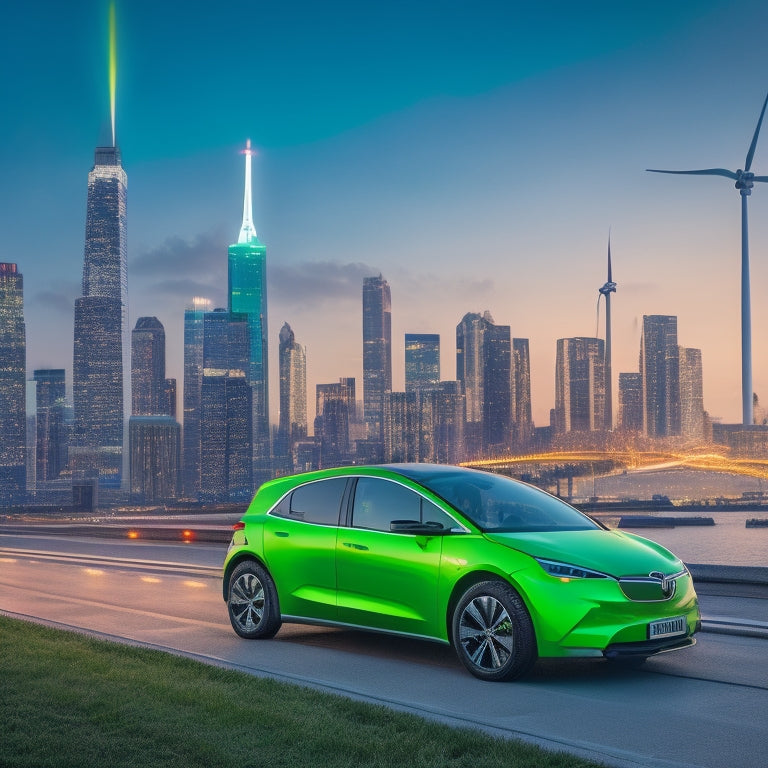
<point x="476" y="154"/>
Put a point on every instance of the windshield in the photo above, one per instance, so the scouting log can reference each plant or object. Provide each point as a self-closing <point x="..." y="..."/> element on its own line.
<point x="498" y="504"/>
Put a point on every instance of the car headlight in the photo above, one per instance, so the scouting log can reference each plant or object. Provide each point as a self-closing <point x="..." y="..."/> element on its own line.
<point x="566" y="571"/>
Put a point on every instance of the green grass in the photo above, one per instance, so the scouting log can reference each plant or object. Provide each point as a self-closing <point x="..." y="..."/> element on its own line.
<point x="69" y="700"/>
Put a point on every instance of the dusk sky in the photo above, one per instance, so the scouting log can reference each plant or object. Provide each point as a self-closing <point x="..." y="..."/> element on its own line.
<point x="476" y="154"/>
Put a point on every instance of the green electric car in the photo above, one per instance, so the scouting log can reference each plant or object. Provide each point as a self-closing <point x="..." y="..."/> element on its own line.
<point x="502" y="571"/>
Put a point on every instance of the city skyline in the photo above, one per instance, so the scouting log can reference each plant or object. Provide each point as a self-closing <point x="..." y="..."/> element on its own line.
<point x="498" y="169"/>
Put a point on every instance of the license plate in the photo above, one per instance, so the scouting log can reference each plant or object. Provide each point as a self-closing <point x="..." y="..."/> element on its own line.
<point x="667" y="627"/>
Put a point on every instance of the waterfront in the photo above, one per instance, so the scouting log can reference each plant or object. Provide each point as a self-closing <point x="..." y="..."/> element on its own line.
<point x="727" y="542"/>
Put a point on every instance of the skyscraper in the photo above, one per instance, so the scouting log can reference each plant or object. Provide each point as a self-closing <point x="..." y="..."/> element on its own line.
<point x="155" y="451"/>
<point x="579" y="385"/>
<point x="334" y="406"/>
<point x="52" y="431"/>
<point x="469" y="368"/>
<point x="154" y="436"/>
<point x="401" y="426"/>
<point x="441" y="423"/>
<point x="484" y="367"/>
<point x="522" y="422"/>
<point x="691" y="394"/>
<point x="193" y="382"/>
<point x="101" y="357"/>
<point x="660" y="372"/>
<point x="247" y="277"/>
<point x="377" y="352"/>
<point x="293" y="387"/>
<point x="13" y="370"/>
<point x="631" y="402"/>
<point x="148" y="383"/>
<point x="422" y="360"/>
<point x="497" y="387"/>
<point x="226" y="402"/>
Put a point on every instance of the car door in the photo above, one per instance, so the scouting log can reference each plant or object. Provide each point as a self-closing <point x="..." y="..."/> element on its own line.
<point x="300" y="548"/>
<point x="389" y="580"/>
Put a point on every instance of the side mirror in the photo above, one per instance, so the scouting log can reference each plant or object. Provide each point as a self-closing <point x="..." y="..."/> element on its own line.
<point x="429" y="528"/>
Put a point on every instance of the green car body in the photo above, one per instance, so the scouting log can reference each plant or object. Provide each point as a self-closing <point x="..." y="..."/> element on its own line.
<point x="504" y="572"/>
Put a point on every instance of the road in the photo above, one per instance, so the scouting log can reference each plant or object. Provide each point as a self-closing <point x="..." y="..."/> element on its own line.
<point x="702" y="707"/>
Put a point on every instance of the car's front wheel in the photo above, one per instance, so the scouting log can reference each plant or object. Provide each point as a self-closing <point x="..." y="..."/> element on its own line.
<point x="492" y="632"/>
<point x="252" y="601"/>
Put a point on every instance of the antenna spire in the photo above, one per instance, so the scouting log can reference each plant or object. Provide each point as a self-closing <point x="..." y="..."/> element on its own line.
<point x="112" y="67"/>
<point x="247" y="230"/>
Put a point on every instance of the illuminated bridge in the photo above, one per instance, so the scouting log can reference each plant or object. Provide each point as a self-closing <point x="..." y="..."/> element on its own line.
<point x="629" y="459"/>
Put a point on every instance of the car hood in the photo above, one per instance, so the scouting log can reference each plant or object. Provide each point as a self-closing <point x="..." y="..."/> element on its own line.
<point x="615" y="553"/>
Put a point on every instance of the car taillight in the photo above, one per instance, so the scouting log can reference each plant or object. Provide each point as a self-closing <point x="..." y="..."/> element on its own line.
<point x="239" y="526"/>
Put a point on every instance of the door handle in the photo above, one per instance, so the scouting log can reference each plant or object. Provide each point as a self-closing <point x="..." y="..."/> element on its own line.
<point x="360" y="547"/>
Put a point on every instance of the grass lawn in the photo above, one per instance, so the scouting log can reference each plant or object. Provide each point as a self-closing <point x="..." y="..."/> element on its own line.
<point x="69" y="700"/>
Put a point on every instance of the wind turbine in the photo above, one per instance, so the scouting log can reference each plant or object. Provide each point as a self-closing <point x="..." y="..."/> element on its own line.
<point x="744" y="182"/>
<point x="607" y="290"/>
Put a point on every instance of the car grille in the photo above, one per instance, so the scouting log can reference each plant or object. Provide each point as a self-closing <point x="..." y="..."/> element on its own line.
<point x="656" y="587"/>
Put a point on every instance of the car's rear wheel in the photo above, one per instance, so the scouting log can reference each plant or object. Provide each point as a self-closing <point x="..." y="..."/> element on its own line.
<point x="252" y="601"/>
<point x="492" y="632"/>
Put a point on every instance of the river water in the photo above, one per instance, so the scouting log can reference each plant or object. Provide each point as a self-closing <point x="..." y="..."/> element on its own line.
<point x="727" y="542"/>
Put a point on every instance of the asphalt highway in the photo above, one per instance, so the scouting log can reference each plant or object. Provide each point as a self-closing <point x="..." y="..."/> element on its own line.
<point x="702" y="707"/>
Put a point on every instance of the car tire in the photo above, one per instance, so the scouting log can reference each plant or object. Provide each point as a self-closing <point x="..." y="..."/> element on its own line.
<point x="252" y="602"/>
<point x="492" y="632"/>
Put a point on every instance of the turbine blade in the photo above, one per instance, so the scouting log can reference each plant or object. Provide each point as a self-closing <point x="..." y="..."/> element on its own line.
<point x="752" y="146"/>
<point x="760" y="178"/>
<point x="704" y="172"/>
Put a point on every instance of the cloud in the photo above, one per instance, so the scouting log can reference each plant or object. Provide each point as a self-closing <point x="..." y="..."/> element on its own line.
<point x="202" y="254"/>
<point x="61" y="301"/>
<point x="178" y="269"/>
<point x="314" y="283"/>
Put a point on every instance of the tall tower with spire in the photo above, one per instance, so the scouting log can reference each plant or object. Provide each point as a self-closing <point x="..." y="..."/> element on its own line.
<point x="247" y="283"/>
<point x="607" y="290"/>
<point x="101" y="361"/>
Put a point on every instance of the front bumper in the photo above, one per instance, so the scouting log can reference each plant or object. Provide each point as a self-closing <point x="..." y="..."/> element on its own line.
<point x="593" y="617"/>
<point x="647" y="648"/>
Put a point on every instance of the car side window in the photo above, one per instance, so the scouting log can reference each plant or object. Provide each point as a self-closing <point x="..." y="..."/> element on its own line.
<point x="318" y="502"/>
<point x="378" y="502"/>
<point x="431" y="513"/>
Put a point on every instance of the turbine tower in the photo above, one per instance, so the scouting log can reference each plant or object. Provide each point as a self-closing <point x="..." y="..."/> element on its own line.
<point x="607" y="290"/>
<point x="744" y="182"/>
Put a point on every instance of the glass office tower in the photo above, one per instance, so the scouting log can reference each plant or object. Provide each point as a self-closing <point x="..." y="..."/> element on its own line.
<point x="194" y="318"/>
<point x="247" y="279"/>
<point x="101" y="360"/>
<point x="660" y="372"/>
<point x="422" y="360"/>
<point x="13" y="361"/>
<point x="377" y="352"/>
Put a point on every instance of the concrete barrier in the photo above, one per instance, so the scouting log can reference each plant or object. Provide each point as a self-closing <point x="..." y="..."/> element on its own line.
<point x="729" y="574"/>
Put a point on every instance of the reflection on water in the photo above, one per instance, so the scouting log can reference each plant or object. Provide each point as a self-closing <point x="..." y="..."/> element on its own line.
<point x="727" y="542"/>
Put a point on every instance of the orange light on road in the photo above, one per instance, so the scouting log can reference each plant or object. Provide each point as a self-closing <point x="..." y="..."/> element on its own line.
<point x="133" y="534"/>
<point x="187" y="535"/>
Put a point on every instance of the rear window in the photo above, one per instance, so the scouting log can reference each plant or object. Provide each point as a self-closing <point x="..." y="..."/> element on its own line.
<point x="318" y="502"/>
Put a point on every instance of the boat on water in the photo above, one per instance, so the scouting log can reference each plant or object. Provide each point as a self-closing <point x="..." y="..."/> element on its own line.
<point x="654" y="521"/>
